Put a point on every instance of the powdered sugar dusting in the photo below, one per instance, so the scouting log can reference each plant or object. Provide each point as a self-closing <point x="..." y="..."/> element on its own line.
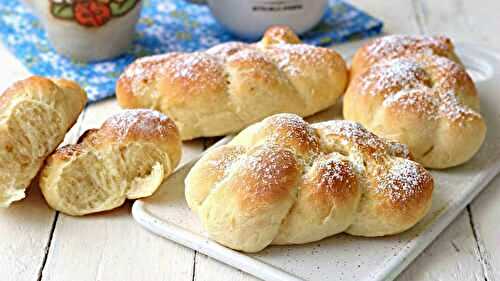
<point x="205" y="69"/>
<point x="145" y="121"/>
<point x="225" y="161"/>
<point x="144" y="67"/>
<point x="272" y="168"/>
<point x="354" y="133"/>
<point x="268" y="171"/>
<point x="433" y="106"/>
<point x="393" y="46"/>
<point x="192" y="66"/>
<point x="404" y="181"/>
<point x="448" y="73"/>
<point x="292" y="128"/>
<point x="398" y="149"/>
<point x="133" y="71"/>
<point x="426" y="85"/>
<point x="398" y="73"/>
<point x="292" y="57"/>
<point x="416" y="100"/>
<point x="248" y="55"/>
<point x="454" y="110"/>
<point x="336" y="174"/>
<point x="225" y="50"/>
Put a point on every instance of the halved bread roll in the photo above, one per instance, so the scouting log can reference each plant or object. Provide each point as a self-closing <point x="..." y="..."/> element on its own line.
<point x="127" y="158"/>
<point x="35" y="115"/>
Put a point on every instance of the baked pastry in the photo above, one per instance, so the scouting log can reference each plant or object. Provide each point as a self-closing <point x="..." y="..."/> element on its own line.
<point x="35" y="115"/>
<point x="233" y="85"/>
<point x="127" y="158"/>
<point x="426" y="102"/>
<point x="283" y="181"/>
<point x="395" y="46"/>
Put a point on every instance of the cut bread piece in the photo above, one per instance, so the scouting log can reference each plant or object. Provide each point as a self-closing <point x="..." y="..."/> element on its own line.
<point x="127" y="158"/>
<point x="35" y="115"/>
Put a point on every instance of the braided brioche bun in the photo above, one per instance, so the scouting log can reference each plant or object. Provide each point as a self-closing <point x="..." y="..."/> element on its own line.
<point x="283" y="181"/>
<point x="35" y="115"/>
<point x="127" y="158"/>
<point x="233" y="85"/>
<point x="426" y="102"/>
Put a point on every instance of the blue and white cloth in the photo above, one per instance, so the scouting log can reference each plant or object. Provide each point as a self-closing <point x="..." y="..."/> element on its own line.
<point x="165" y="25"/>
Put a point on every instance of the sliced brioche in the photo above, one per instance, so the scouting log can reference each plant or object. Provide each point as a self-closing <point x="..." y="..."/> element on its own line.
<point x="35" y="115"/>
<point x="127" y="158"/>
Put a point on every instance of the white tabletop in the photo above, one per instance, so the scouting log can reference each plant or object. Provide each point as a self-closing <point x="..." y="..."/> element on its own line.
<point x="37" y="243"/>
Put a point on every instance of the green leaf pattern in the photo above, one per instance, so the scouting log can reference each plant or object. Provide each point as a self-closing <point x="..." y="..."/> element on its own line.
<point x="64" y="9"/>
<point x="120" y="8"/>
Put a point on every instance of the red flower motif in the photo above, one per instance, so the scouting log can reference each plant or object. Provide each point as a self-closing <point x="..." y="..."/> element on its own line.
<point x="91" y="13"/>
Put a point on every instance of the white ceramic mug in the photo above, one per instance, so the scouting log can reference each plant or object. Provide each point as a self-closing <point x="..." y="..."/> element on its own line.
<point x="250" y="18"/>
<point x="88" y="30"/>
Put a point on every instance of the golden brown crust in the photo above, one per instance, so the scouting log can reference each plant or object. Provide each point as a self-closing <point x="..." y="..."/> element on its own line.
<point x="187" y="75"/>
<point x="133" y="125"/>
<point x="267" y="175"/>
<point x="297" y="183"/>
<point x="234" y="84"/>
<point x="17" y="88"/>
<point x="428" y="102"/>
<point x="406" y="186"/>
<point x="65" y="153"/>
<point x="288" y="131"/>
<point x="145" y="71"/>
<point x="334" y="181"/>
<point x="279" y="34"/>
<point x="87" y="136"/>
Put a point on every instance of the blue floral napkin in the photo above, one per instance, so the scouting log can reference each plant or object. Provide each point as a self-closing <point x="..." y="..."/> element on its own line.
<point x="164" y="26"/>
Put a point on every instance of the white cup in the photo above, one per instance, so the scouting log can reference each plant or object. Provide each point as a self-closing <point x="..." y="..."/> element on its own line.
<point x="88" y="30"/>
<point x="250" y="18"/>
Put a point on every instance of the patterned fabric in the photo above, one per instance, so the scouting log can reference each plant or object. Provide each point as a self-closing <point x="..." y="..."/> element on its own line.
<point x="165" y="25"/>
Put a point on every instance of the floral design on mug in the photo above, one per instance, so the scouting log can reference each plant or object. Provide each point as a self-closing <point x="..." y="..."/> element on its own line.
<point x="91" y="13"/>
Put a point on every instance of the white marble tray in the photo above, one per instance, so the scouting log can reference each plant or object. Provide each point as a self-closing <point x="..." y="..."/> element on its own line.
<point x="345" y="257"/>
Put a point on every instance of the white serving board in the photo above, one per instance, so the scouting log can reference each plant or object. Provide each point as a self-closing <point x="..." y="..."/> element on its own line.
<point x="344" y="257"/>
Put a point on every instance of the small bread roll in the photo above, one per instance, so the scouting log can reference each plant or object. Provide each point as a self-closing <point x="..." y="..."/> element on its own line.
<point x="127" y="158"/>
<point x="232" y="85"/>
<point x="35" y="115"/>
<point x="396" y="46"/>
<point x="424" y="101"/>
<point x="283" y="181"/>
